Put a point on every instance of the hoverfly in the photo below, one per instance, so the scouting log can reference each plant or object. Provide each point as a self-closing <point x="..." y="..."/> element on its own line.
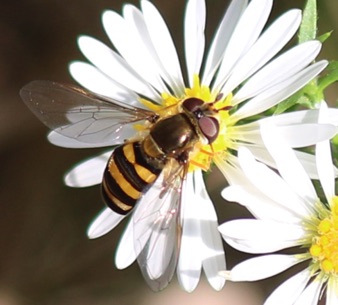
<point x="145" y="172"/>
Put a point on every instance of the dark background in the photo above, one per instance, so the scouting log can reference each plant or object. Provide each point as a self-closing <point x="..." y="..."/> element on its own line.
<point x="45" y="256"/>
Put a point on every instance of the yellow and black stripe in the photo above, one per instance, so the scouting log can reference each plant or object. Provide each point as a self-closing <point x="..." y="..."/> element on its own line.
<point x="127" y="176"/>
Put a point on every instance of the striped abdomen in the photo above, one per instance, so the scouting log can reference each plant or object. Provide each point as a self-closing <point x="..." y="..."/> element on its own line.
<point x="127" y="176"/>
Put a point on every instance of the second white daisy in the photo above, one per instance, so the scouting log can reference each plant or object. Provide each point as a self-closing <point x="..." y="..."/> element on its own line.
<point x="289" y="214"/>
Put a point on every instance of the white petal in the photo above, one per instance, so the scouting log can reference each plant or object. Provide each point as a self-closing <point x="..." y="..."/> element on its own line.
<point x="278" y="92"/>
<point x="303" y="135"/>
<point x="244" y="36"/>
<point x="267" y="46"/>
<point x="261" y="236"/>
<point x="261" y="267"/>
<point x="288" y="165"/>
<point x="194" y="40"/>
<point x="190" y="259"/>
<point x="123" y="33"/>
<point x="125" y="253"/>
<point x="331" y="294"/>
<point x="324" y="160"/>
<point x="258" y="204"/>
<point x="278" y="70"/>
<point x="163" y="43"/>
<point x="214" y="259"/>
<point x="221" y="39"/>
<point x="300" y="135"/>
<point x="114" y="66"/>
<point x="294" y="118"/>
<point x="271" y="184"/>
<point x="311" y="293"/>
<point x="94" y="80"/>
<point x="146" y="50"/>
<point x="304" y="116"/>
<point x="89" y="172"/>
<point x="103" y="223"/>
<point x="307" y="160"/>
<point x="289" y="291"/>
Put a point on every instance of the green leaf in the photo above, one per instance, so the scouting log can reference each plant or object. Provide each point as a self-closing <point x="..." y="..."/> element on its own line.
<point x="335" y="148"/>
<point x="306" y="101"/>
<point x="335" y="140"/>
<point x="330" y="77"/>
<point x="324" y="37"/>
<point x="308" y="27"/>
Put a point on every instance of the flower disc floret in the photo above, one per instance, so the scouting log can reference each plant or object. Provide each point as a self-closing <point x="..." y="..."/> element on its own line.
<point x="324" y="248"/>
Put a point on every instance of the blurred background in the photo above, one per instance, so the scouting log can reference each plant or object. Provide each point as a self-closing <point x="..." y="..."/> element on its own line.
<point x="45" y="256"/>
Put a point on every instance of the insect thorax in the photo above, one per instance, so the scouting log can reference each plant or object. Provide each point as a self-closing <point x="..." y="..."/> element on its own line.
<point x="170" y="137"/>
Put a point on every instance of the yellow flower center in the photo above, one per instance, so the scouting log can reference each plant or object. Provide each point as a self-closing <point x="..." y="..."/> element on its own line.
<point x="203" y="154"/>
<point x="324" y="248"/>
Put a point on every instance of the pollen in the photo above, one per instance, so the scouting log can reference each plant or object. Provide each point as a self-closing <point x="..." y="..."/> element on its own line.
<point x="324" y="248"/>
<point x="324" y="226"/>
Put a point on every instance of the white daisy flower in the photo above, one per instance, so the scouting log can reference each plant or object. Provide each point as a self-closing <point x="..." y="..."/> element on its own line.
<point x="289" y="214"/>
<point x="239" y="77"/>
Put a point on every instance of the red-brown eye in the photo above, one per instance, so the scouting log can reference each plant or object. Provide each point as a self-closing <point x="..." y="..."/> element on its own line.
<point x="209" y="127"/>
<point x="192" y="104"/>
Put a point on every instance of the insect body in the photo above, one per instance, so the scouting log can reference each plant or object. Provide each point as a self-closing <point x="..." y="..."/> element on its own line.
<point x="134" y="166"/>
<point x="148" y="169"/>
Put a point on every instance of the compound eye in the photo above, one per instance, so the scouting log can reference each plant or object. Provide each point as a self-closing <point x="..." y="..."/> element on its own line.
<point x="209" y="127"/>
<point x="192" y="104"/>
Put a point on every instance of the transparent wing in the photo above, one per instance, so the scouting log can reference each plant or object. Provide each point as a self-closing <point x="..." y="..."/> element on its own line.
<point x="81" y="115"/>
<point x="157" y="229"/>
